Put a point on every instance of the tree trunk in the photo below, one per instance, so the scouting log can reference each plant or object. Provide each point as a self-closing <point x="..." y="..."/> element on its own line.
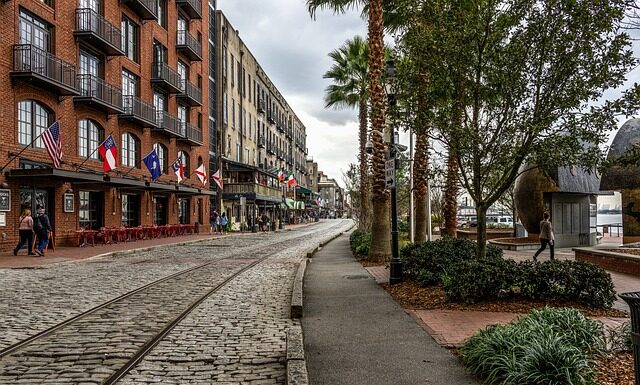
<point x="481" y="212"/>
<point x="365" y="202"/>
<point x="420" y="172"/>
<point x="450" y="209"/>
<point x="381" y="228"/>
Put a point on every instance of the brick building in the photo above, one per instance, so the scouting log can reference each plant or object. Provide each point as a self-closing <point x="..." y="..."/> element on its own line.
<point x="134" y="69"/>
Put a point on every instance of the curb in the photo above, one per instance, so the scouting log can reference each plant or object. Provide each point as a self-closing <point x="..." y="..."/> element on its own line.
<point x="297" y="292"/>
<point x="296" y="364"/>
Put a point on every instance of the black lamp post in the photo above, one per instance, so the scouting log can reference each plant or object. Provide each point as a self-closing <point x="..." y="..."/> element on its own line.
<point x="395" y="270"/>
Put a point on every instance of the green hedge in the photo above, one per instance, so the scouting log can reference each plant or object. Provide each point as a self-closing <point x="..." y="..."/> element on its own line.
<point x="360" y="241"/>
<point x="453" y="263"/>
<point x="481" y="280"/>
<point x="428" y="262"/>
<point x="549" y="346"/>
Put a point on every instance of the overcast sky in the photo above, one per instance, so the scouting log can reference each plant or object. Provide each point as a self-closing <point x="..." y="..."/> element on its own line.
<point x="292" y="49"/>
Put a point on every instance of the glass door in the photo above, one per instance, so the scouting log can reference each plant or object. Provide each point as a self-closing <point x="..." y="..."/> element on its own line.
<point x="33" y="198"/>
<point x="160" y="212"/>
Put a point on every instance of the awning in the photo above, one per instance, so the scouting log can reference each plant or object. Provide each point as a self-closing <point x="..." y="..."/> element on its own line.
<point x="65" y="175"/>
<point x="294" y="205"/>
<point x="303" y="190"/>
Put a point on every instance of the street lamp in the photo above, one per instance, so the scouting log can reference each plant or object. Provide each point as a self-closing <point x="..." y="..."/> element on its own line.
<point x="395" y="271"/>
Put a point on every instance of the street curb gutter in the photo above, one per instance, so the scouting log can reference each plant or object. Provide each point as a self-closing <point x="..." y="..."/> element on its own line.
<point x="296" y="364"/>
<point x="297" y="292"/>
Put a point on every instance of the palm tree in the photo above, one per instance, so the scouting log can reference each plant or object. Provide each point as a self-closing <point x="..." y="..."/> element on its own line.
<point x="350" y="89"/>
<point x="380" y="229"/>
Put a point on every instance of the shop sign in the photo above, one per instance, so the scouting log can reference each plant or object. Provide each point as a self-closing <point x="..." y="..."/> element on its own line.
<point x="5" y="200"/>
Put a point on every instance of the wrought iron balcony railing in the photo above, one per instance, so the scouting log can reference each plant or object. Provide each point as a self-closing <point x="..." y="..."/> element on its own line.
<point x="166" y="78"/>
<point x="44" y="69"/>
<point x="189" y="45"/>
<point x="191" y="94"/>
<point x="99" y="94"/>
<point x="96" y="30"/>
<point x="146" y="9"/>
<point x="193" y="8"/>
<point x="142" y="113"/>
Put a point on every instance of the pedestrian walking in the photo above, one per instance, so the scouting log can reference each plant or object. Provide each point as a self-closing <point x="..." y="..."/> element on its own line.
<point x="546" y="236"/>
<point x="25" y="231"/>
<point x="223" y="223"/>
<point x="42" y="227"/>
<point x="265" y="222"/>
<point x="213" y="222"/>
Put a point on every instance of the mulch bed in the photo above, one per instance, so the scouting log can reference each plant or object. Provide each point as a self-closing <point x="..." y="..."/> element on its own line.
<point x="625" y="251"/>
<point x="411" y="296"/>
<point x="518" y="241"/>
<point x="614" y="370"/>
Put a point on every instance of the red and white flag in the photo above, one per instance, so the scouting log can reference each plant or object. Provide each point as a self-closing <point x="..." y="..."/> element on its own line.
<point x="217" y="178"/>
<point x="201" y="173"/>
<point x="291" y="180"/>
<point x="109" y="152"/>
<point x="53" y="143"/>
<point x="178" y="169"/>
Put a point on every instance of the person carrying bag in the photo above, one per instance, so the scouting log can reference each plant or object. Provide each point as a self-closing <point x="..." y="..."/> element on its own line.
<point x="25" y="230"/>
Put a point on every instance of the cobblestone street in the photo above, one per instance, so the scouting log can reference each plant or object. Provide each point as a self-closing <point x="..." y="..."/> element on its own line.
<point x="235" y="336"/>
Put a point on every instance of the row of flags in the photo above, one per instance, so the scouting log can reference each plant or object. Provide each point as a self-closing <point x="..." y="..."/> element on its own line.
<point x="285" y="176"/>
<point x="109" y="152"/>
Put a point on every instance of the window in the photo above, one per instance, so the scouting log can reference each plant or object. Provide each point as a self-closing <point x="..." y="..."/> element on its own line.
<point x="249" y="87"/>
<point x="225" y="113"/>
<point x="184" y="158"/>
<point x="160" y="53"/>
<point x="183" y="72"/>
<point x="130" y="209"/>
<point x="162" y="13"/>
<point x="224" y="61"/>
<point x="130" y="84"/>
<point x="183" y="210"/>
<point x="130" y="38"/>
<point x="233" y="74"/>
<point x="48" y="2"/>
<point x="233" y="113"/>
<point x="89" y="138"/>
<point x="33" y="119"/>
<point x="34" y="31"/>
<point x="160" y="104"/>
<point x="163" y="155"/>
<point x="88" y="212"/>
<point x="238" y="151"/>
<point x="130" y="150"/>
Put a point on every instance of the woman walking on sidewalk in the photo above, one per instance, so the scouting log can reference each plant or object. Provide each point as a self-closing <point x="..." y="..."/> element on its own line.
<point x="26" y="232"/>
<point x="546" y="236"/>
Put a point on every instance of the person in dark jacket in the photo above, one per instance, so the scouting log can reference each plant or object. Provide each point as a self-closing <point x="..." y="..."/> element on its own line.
<point x="42" y="231"/>
<point x="546" y="236"/>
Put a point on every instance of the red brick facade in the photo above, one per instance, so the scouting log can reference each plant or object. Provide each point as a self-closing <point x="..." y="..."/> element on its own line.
<point x="62" y="20"/>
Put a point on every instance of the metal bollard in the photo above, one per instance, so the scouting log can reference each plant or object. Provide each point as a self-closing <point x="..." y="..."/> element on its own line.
<point x="633" y="300"/>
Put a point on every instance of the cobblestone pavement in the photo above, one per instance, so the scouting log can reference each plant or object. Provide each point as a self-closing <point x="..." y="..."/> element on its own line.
<point x="235" y="336"/>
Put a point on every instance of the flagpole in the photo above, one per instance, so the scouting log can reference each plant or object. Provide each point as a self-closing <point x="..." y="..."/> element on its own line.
<point x="93" y="152"/>
<point x="127" y="173"/>
<point x="24" y="148"/>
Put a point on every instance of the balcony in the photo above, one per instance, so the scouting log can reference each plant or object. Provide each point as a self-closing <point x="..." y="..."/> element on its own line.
<point x="97" y="31"/>
<point x="146" y="9"/>
<point x="189" y="46"/>
<point x="43" y="69"/>
<point x="169" y="124"/>
<point x="270" y="148"/>
<point x="137" y="111"/>
<point x="99" y="94"/>
<point x="249" y="187"/>
<point x="280" y="127"/>
<point x="261" y="142"/>
<point x="270" y="117"/>
<point x="166" y="78"/>
<point x="193" y="8"/>
<point x="193" y="135"/>
<point x="191" y="95"/>
<point x="290" y="133"/>
<point x="261" y="106"/>
<point x="290" y="160"/>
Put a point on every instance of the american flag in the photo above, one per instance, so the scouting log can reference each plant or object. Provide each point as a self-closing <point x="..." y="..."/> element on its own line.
<point x="53" y="144"/>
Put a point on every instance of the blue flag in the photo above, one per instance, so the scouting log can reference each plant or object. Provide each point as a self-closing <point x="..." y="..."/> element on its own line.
<point x="153" y="164"/>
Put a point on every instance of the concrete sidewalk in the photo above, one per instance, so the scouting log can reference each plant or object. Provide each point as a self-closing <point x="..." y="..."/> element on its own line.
<point x="355" y="333"/>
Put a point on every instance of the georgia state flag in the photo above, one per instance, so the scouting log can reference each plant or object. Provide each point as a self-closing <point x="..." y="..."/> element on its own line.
<point x="109" y="152"/>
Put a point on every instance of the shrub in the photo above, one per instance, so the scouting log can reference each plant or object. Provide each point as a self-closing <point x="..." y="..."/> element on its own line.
<point x="428" y="262"/>
<point x="480" y="280"/>
<point x="549" y="346"/>
<point x="360" y="241"/>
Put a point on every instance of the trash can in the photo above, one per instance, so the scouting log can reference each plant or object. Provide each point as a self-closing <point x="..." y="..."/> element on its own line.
<point x="633" y="300"/>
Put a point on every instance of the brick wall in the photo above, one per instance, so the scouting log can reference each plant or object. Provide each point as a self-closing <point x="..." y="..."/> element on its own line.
<point x="611" y="261"/>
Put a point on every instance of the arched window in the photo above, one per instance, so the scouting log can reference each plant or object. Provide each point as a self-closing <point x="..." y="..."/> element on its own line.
<point x="184" y="157"/>
<point x="163" y="153"/>
<point x="130" y="150"/>
<point x="33" y="119"/>
<point x="90" y="135"/>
